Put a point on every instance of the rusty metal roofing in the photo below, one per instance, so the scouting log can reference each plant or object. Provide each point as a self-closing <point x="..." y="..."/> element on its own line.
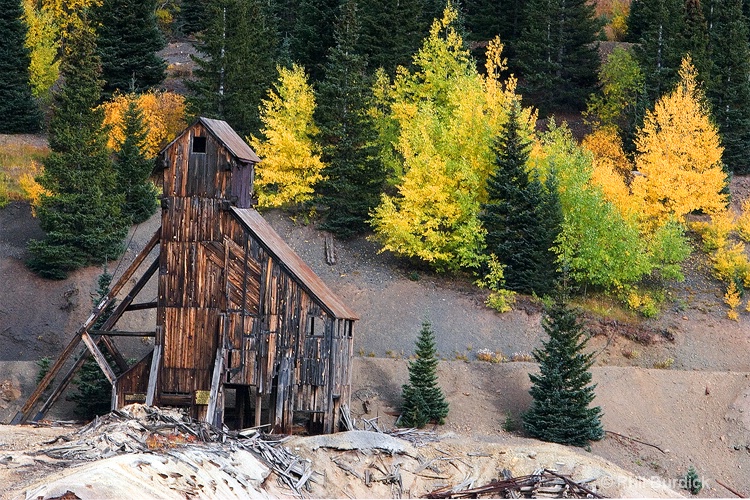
<point x="230" y="139"/>
<point x="270" y="239"/>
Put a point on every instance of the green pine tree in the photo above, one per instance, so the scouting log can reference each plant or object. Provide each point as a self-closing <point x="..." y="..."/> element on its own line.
<point x="521" y="217"/>
<point x="237" y="64"/>
<point x="486" y="19"/>
<point x="17" y="107"/>
<point x="193" y="16"/>
<point x="561" y="392"/>
<point x="128" y="42"/>
<point x="81" y="214"/>
<point x="392" y="32"/>
<point x="423" y="400"/>
<point x="660" y="46"/>
<point x="353" y="175"/>
<point x="694" y="38"/>
<point x="557" y="54"/>
<point x="729" y="88"/>
<point x="134" y="169"/>
<point x="313" y="35"/>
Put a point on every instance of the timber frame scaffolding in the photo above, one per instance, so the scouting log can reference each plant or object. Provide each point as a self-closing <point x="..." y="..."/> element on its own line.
<point x="237" y="312"/>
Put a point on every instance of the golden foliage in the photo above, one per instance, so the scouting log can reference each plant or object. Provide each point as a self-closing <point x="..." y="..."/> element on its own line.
<point x="611" y="169"/>
<point x="679" y="156"/>
<point x="715" y="234"/>
<point x="42" y="40"/>
<point x="31" y="189"/>
<point x="731" y="263"/>
<point x="743" y="221"/>
<point x="291" y="164"/>
<point x="163" y="117"/>
<point x="733" y="298"/>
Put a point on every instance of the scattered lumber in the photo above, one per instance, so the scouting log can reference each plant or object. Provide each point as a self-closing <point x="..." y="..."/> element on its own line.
<point x="542" y="484"/>
<point x="330" y="250"/>
<point x="145" y="429"/>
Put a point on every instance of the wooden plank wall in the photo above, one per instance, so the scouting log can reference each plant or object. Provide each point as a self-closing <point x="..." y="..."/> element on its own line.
<point x="212" y="268"/>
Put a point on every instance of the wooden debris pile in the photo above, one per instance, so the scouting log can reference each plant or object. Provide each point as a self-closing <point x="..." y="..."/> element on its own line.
<point x="147" y="429"/>
<point x="543" y="483"/>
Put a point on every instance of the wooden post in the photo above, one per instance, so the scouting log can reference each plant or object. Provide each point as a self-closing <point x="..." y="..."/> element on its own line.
<point x="258" y="406"/>
<point x="23" y="414"/>
<point x="99" y="357"/>
<point x="153" y="375"/>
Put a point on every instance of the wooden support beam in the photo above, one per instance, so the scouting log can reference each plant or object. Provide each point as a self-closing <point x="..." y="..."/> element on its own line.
<point x="214" y="396"/>
<point x="142" y="306"/>
<point x="122" y="306"/>
<point x="120" y="360"/>
<point x="153" y="375"/>
<point x="136" y="264"/>
<point x="121" y="333"/>
<point x="99" y="357"/>
<point x="23" y="414"/>
<point x="52" y="399"/>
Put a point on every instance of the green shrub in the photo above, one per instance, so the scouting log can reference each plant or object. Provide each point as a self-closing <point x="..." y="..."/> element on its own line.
<point x="692" y="481"/>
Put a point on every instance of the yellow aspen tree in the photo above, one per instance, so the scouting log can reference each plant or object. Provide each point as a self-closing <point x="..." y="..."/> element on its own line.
<point x="611" y="169"/>
<point x="163" y="116"/>
<point x="679" y="156"/>
<point x="290" y="158"/>
<point x="437" y="124"/>
<point x="42" y="40"/>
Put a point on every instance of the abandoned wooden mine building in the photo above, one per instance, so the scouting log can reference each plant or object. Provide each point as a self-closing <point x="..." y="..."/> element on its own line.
<point x="239" y="316"/>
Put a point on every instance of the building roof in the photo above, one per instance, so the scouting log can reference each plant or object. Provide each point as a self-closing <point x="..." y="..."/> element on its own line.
<point x="227" y="137"/>
<point x="305" y="276"/>
<point x="230" y="139"/>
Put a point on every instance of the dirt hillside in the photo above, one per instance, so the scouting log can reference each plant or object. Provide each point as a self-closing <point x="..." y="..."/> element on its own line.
<point x="697" y="408"/>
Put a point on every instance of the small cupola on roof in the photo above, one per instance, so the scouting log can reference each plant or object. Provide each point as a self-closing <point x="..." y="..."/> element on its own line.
<point x="220" y="165"/>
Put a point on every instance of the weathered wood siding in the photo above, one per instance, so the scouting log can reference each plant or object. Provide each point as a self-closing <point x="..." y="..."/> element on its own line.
<point x="222" y="290"/>
<point x="286" y="342"/>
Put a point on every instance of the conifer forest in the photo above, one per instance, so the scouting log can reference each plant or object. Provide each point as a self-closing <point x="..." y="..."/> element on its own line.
<point x="516" y="141"/>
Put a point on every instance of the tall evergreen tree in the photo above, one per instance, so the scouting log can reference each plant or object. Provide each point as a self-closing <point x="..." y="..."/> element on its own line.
<point x="353" y="176"/>
<point x="193" y="16"/>
<point x="423" y="399"/>
<point x="313" y="35"/>
<point x="486" y="19"/>
<point x="392" y="31"/>
<point x="694" y="38"/>
<point x="128" y="40"/>
<point x="237" y="62"/>
<point x="660" y="43"/>
<point x="521" y="217"/>
<point x="561" y="392"/>
<point x="81" y="214"/>
<point x="17" y="107"/>
<point x="557" y="54"/>
<point x="729" y="88"/>
<point x="134" y="168"/>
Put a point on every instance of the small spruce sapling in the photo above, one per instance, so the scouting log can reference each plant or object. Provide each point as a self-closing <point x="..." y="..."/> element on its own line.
<point x="692" y="481"/>
<point x="423" y="399"/>
<point x="562" y="392"/>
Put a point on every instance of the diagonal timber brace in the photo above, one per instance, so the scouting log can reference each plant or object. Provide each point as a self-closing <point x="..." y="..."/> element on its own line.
<point x="23" y="414"/>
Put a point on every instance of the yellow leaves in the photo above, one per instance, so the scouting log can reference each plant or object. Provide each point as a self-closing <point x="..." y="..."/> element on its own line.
<point x="611" y="169"/>
<point x="42" y="40"/>
<point x="679" y="156"/>
<point x="163" y="116"/>
<point x="743" y="221"/>
<point x="731" y="263"/>
<point x="733" y="298"/>
<point x="715" y="234"/>
<point x="291" y="164"/>
<point x="31" y="189"/>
